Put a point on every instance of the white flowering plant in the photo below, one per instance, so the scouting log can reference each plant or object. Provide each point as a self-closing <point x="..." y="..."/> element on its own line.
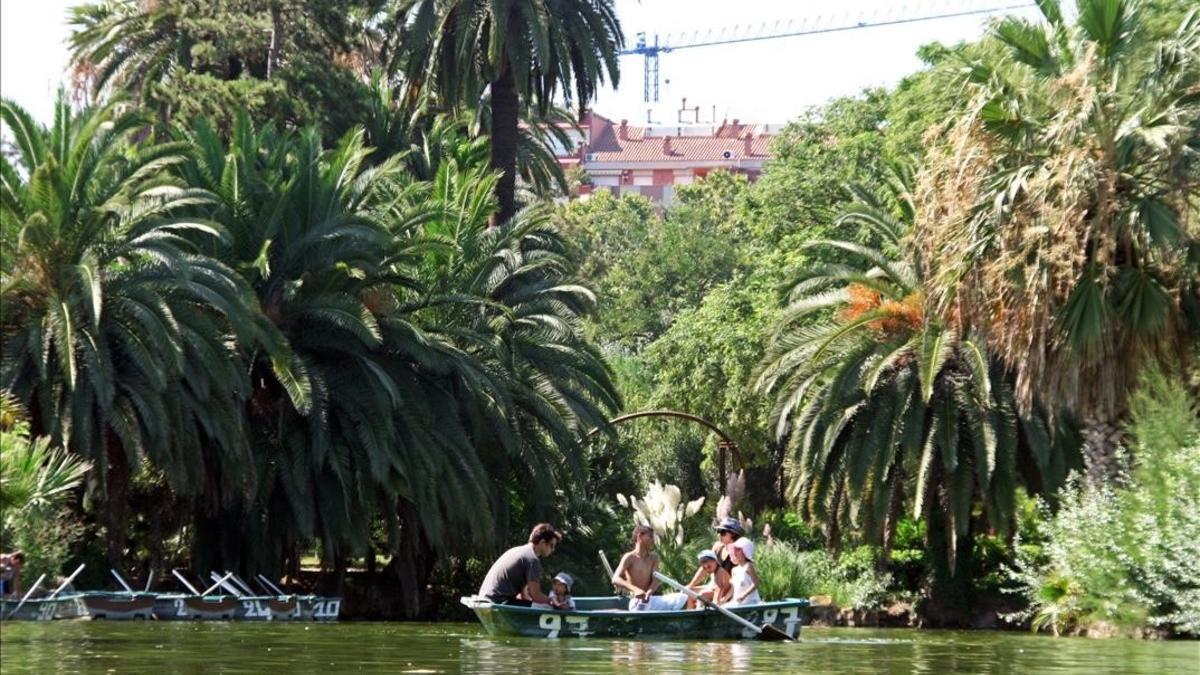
<point x="677" y="528"/>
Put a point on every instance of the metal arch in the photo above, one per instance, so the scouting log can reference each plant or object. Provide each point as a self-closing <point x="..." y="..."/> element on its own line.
<point x="727" y="443"/>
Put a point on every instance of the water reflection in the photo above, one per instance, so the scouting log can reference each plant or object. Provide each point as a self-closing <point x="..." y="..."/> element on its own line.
<point x="462" y="648"/>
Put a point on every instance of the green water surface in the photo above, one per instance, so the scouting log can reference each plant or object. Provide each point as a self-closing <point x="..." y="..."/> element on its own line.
<point x="153" y="647"/>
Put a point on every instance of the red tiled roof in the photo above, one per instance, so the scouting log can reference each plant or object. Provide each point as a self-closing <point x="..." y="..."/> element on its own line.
<point x="682" y="148"/>
<point x="606" y="145"/>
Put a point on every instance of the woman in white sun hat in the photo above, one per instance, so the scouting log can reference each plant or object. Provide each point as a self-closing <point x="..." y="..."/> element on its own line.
<point x="743" y="577"/>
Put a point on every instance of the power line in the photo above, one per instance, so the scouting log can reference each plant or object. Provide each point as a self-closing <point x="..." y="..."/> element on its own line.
<point x="750" y="33"/>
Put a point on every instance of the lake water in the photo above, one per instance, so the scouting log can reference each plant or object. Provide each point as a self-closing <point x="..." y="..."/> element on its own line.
<point x="98" y="646"/>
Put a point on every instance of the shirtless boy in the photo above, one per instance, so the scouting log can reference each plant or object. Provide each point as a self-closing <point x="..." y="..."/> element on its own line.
<point x="636" y="571"/>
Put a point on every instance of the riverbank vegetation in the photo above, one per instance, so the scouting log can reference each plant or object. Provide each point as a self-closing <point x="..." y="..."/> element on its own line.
<point x="294" y="285"/>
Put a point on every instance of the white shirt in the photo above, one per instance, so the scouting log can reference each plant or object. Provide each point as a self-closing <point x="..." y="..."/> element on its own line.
<point x="740" y="578"/>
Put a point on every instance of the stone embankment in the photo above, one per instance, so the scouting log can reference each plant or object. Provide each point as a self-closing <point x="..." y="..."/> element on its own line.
<point x="823" y="612"/>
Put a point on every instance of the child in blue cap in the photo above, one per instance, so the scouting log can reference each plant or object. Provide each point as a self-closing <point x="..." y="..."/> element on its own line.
<point x="711" y="581"/>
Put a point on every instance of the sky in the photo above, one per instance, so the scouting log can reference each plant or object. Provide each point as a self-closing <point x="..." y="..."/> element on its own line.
<point x="769" y="81"/>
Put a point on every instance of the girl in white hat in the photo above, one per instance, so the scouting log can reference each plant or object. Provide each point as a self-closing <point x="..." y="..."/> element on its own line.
<point x="743" y="577"/>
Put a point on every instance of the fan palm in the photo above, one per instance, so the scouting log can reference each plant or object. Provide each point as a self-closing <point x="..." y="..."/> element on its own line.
<point x="1058" y="215"/>
<point x="522" y="51"/>
<point x="117" y="331"/>
<point x="880" y="404"/>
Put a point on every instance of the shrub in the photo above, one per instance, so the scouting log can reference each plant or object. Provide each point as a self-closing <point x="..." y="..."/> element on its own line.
<point x="789" y="527"/>
<point x="1127" y="555"/>
<point x="35" y="480"/>
<point x="785" y="571"/>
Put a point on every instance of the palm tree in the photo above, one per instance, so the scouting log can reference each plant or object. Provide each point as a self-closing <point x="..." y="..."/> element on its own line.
<point x="522" y="51"/>
<point x="530" y="326"/>
<point x="122" y="45"/>
<point x="881" y="405"/>
<point x="119" y="337"/>
<point x="359" y="412"/>
<point x="1057" y="215"/>
<point x="285" y="59"/>
<point x="414" y="359"/>
<point x="398" y="119"/>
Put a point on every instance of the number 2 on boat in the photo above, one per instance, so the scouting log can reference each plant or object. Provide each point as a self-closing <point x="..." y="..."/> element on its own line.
<point x="256" y="610"/>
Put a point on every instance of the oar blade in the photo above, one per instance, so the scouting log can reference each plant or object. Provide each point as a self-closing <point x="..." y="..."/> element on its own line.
<point x="772" y="634"/>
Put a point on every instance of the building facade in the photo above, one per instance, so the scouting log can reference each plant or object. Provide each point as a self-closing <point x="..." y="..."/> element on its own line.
<point x="653" y="160"/>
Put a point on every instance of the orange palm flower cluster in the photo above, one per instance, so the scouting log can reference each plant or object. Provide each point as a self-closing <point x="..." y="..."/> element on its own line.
<point x="900" y="316"/>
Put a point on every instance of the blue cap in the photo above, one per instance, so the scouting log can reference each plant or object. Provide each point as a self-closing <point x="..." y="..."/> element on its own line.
<point x="731" y="524"/>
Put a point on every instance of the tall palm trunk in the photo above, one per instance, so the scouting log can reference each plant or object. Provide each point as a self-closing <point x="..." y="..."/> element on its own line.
<point x="276" y="30"/>
<point x="505" y="102"/>
<point x="833" y="536"/>
<point x="412" y="562"/>
<point x="1101" y="458"/>
<point x="116" y="500"/>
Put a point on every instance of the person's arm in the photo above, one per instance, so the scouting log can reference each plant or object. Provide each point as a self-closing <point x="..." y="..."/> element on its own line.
<point x="697" y="578"/>
<point x="533" y="592"/>
<point x="724" y="591"/>
<point x="654" y="582"/>
<point x="753" y="574"/>
<point x="619" y="580"/>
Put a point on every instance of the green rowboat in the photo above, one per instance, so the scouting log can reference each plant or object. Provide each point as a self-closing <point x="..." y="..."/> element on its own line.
<point x="41" y="609"/>
<point x="607" y="617"/>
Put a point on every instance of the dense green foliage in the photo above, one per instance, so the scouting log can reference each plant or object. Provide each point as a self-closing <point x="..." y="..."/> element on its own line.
<point x="208" y="60"/>
<point x="1126" y="556"/>
<point x="523" y="52"/>
<point x="276" y="326"/>
<point x="36" y="480"/>
<point x="1055" y="208"/>
<point x="850" y="581"/>
<point x="881" y="392"/>
<point x="881" y="396"/>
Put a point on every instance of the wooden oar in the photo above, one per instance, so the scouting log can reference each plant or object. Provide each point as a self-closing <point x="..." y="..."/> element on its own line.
<point x="149" y="580"/>
<point x="609" y="570"/>
<point x="245" y="587"/>
<point x="266" y="581"/>
<point x="121" y="580"/>
<point x="765" y="632"/>
<point x="183" y="580"/>
<point x="220" y="582"/>
<point x="67" y="582"/>
<point x="27" y="594"/>
<point x="227" y="583"/>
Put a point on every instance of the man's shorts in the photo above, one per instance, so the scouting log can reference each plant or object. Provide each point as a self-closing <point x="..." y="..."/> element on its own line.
<point x="659" y="603"/>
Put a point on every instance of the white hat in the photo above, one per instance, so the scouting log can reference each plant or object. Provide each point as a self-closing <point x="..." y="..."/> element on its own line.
<point x="566" y="579"/>
<point x="746" y="545"/>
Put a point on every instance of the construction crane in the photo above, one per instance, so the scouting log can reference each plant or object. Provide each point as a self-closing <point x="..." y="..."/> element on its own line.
<point x="891" y="16"/>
